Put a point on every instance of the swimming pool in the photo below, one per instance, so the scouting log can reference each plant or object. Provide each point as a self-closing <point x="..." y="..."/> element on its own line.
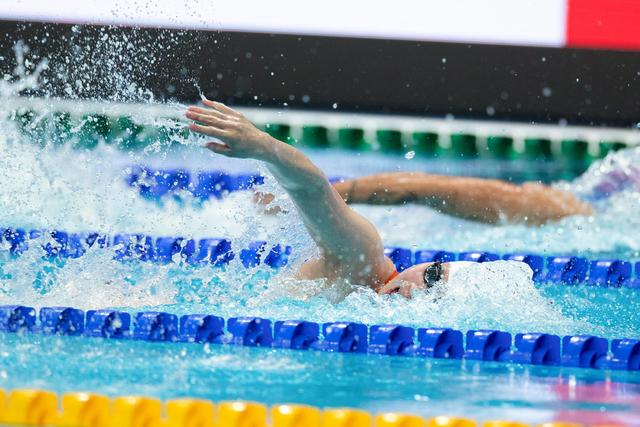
<point x="90" y="193"/>
<point x="375" y="383"/>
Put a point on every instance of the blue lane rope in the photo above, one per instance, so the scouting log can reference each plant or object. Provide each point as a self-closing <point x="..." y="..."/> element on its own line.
<point x="140" y="247"/>
<point x="565" y="269"/>
<point x="579" y="351"/>
<point x="157" y="183"/>
<point x="568" y="270"/>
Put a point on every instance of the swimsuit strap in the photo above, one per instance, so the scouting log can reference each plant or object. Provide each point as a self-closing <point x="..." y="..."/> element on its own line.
<point x="393" y="276"/>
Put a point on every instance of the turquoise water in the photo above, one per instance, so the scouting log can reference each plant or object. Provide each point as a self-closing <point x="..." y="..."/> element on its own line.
<point x="74" y="190"/>
<point x="375" y="383"/>
<point x="511" y="303"/>
<point x="49" y="186"/>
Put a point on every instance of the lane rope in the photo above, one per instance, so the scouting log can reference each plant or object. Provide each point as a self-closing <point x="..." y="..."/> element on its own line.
<point x="42" y="407"/>
<point x="577" y="351"/>
<point x="564" y="269"/>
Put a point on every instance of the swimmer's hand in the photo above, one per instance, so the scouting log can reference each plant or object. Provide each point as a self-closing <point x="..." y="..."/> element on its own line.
<point x="350" y="247"/>
<point x="236" y="136"/>
<point x="401" y="287"/>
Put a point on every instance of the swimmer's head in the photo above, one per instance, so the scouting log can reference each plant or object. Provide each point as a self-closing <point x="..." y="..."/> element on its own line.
<point x="425" y="276"/>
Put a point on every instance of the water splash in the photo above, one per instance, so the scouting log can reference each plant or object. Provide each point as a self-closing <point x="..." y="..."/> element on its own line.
<point x="26" y="74"/>
<point x="617" y="173"/>
<point x="611" y="232"/>
<point x="61" y="187"/>
<point x="497" y="295"/>
<point x="89" y="194"/>
<point x="48" y="186"/>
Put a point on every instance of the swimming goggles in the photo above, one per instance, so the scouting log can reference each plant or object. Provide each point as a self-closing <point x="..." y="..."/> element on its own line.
<point x="433" y="274"/>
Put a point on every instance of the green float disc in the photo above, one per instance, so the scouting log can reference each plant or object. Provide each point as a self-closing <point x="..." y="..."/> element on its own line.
<point x="574" y="149"/>
<point x="463" y="145"/>
<point x="351" y="138"/>
<point x="33" y="126"/>
<point x="608" y="146"/>
<point x="169" y="132"/>
<point x="279" y="131"/>
<point x="500" y="147"/>
<point x="315" y="136"/>
<point x="24" y="119"/>
<point x="426" y="143"/>
<point x="537" y="149"/>
<point x="165" y="134"/>
<point x="389" y="140"/>
<point x="98" y="125"/>
<point x="128" y="133"/>
<point x="93" y="128"/>
<point x="61" y="128"/>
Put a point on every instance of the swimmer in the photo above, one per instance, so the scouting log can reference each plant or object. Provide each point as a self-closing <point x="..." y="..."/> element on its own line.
<point x="489" y="201"/>
<point x="495" y="202"/>
<point x="482" y="200"/>
<point x="349" y="245"/>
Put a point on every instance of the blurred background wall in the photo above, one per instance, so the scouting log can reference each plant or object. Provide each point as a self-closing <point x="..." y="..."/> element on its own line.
<point x="574" y="61"/>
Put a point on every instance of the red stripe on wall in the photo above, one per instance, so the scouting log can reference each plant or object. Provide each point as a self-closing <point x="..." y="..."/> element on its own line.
<point x="609" y="24"/>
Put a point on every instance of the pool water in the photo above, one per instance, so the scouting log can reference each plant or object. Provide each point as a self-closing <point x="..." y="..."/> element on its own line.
<point x="77" y="191"/>
<point x="512" y="304"/>
<point x="427" y="387"/>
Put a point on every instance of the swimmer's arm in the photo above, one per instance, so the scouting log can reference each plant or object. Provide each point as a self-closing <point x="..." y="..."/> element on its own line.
<point x="345" y="237"/>
<point x="350" y="245"/>
<point x="482" y="200"/>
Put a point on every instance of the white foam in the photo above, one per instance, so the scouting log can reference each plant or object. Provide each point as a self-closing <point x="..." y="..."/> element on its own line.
<point x="62" y="188"/>
<point x="613" y="230"/>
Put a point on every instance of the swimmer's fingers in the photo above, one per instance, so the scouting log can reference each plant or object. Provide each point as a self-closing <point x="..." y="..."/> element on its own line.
<point x="389" y="288"/>
<point x="208" y="130"/>
<point x="207" y="119"/>
<point x="263" y="198"/>
<point x="218" y="148"/>
<point x="221" y="107"/>
<point x="208" y="111"/>
<point x="403" y="288"/>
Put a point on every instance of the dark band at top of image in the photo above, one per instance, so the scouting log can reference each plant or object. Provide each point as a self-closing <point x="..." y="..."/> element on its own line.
<point x="544" y="23"/>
